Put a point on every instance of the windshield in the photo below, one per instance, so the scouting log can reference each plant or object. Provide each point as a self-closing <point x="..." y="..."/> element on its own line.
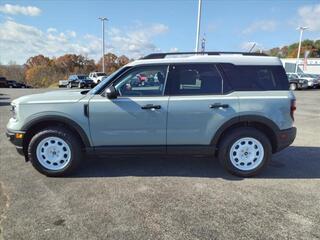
<point x="106" y="80"/>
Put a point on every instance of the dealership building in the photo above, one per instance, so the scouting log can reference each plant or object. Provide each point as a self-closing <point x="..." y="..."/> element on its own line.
<point x="309" y="65"/>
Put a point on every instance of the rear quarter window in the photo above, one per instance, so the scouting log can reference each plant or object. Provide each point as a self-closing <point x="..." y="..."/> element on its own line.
<point x="254" y="78"/>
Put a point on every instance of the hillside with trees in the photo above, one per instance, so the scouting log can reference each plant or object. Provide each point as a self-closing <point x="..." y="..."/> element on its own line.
<point x="291" y="51"/>
<point x="41" y="71"/>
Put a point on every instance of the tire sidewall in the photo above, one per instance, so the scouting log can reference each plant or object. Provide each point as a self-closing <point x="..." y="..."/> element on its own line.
<point x="65" y="135"/>
<point x="231" y="138"/>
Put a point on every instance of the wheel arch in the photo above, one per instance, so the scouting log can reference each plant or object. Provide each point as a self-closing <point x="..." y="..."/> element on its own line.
<point x="39" y="123"/>
<point x="263" y="124"/>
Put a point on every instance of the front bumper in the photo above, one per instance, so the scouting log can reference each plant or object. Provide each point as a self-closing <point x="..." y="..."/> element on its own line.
<point x="15" y="138"/>
<point x="285" y="138"/>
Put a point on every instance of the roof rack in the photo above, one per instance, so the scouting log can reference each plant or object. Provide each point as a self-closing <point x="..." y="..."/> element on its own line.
<point x="163" y="55"/>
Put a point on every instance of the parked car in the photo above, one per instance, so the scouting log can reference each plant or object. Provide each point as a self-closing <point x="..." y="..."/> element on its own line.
<point x="22" y="85"/>
<point x="317" y="79"/>
<point x="97" y="77"/>
<point x="80" y="81"/>
<point x="63" y="83"/>
<point x="3" y="82"/>
<point x="312" y="82"/>
<point x="12" y="84"/>
<point x="296" y="83"/>
<point x="233" y="106"/>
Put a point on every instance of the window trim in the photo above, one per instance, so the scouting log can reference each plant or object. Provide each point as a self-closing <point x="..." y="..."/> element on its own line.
<point x="216" y="65"/>
<point x="115" y="81"/>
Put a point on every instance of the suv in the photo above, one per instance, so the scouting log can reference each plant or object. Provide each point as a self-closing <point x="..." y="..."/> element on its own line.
<point x="235" y="106"/>
<point x="97" y="77"/>
<point x="79" y="81"/>
<point x="3" y="82"/>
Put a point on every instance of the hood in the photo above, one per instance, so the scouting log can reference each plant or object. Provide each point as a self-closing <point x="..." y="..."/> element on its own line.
<point x="59" y="96"/>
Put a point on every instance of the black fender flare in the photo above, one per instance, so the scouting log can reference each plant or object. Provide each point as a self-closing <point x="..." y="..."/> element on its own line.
<point x="67" y="121"/>
<point x="245" y="119"/>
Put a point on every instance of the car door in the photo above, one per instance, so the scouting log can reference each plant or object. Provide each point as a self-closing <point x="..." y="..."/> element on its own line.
<point x="197" y="105"/>
<point x="137" y="117"/>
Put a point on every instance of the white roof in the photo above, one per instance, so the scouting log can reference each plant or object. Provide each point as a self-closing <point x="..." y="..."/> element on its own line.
<point x="237" y="59"/>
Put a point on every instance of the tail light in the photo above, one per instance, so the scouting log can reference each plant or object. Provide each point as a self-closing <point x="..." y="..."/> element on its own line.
<point x="293" y="108"/>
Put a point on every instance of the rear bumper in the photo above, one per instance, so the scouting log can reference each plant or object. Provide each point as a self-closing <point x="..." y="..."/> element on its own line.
<point x="285" y="138"/>
<point x="18" y="142"/>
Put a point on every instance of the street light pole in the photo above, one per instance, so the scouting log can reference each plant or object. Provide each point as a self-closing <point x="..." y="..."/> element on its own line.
<point x="103" y="19"/>
<point x="299" y="48"/>
<point x="198" y="26"/>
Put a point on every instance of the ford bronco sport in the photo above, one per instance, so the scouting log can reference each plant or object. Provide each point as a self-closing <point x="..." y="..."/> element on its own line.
<point x="235" y="106"/>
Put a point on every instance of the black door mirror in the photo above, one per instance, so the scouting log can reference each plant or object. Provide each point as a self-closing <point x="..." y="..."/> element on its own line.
<point x="111" y="92"/>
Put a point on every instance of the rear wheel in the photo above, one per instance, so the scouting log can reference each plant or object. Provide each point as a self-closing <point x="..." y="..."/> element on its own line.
<point x="244" y="151"/>
<point x="293" y="86"/>
<point x="55" y="152"/>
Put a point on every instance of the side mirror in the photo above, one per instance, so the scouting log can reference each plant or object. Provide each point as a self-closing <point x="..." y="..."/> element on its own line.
<point x="111" y="92"/>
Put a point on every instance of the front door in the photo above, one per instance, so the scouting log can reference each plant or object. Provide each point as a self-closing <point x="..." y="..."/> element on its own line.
<point x="138" y="116"/>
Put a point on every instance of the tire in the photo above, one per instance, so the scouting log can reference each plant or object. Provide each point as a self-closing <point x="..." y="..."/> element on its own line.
<point x="60" y="157"/>
<point x="248" y="159"/>
<point x="293" y="86"/>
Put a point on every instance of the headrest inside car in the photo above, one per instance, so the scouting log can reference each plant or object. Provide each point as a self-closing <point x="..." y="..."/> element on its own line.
<point x="188" y="77"/>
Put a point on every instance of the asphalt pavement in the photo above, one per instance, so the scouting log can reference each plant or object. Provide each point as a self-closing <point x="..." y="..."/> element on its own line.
<point x="150" y="197"/>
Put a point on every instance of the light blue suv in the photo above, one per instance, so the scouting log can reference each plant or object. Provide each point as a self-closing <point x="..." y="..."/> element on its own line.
<point x="235" y="106"/>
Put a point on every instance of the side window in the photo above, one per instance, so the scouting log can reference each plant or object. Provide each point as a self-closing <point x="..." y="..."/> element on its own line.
<point x="143" y="81"/>
<point x="195" y="79"/>
<point x="255" y="78"/>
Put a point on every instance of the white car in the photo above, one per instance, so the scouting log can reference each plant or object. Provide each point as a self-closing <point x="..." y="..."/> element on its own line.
<point x="97" y="76"/>
<point x="63" y="83"/>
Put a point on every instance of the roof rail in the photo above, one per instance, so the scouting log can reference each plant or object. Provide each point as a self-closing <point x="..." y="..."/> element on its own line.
<point x="163" y="55"/>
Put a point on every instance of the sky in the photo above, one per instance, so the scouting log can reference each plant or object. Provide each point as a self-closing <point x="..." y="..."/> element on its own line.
<point x="139" y="27"/>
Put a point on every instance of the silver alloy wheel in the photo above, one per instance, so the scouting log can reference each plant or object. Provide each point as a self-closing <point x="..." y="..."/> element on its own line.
<point x="53" y="153"/>
<point x="246" y="154"/>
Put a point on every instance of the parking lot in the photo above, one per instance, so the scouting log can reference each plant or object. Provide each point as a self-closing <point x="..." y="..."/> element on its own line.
<point x="148" y="197"/>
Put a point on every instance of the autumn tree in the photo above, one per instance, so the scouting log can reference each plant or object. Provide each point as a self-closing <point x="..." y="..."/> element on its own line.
<point x="13" y="71"/>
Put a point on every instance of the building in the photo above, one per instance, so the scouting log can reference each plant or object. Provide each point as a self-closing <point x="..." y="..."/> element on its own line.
<point x="310" y="65"/>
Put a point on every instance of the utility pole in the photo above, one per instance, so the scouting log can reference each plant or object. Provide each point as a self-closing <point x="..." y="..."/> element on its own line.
<point x="103" y="19"/>
<point x="203" y="43"/>
<point x="299" y="48"/>
<point x="198" y="26"/>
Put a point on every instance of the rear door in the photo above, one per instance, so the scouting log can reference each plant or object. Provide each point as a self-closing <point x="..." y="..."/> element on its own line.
<point x="197" y="105"/>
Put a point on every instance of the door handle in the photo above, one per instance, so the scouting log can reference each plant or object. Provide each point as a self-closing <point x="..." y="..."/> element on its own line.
<point x="151" y="106"/>
<point x="218" y="105"/>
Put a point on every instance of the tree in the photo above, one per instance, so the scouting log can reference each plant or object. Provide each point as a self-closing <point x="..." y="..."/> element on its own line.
<point x="110" y="63"/>
<point x="123" y="60"/>
<point x="37" y="60"/>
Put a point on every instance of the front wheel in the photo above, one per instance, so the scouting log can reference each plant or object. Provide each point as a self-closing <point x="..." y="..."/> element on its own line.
<point x="244" y="151"/>
<point x="55" y="152"/>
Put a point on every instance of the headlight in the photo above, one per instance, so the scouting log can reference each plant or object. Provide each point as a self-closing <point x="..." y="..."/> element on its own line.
<point x="301" y="81"/>
<point x="13" y="111"/>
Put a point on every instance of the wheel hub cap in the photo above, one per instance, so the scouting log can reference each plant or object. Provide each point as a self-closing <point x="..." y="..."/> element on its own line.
<point x="53" y="153"/>
<point x="246" y="154"/>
